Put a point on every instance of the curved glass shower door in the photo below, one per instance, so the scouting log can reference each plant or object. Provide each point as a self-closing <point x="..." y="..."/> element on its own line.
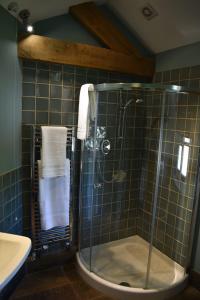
<point x="175" y="189"/>
<point x="117" y="253"/>
<point x="87" y="185"/>
<point x="139" y="164"/>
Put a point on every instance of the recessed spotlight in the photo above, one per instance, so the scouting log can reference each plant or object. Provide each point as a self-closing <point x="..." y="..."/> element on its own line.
<point x="24" y="15"/>
<point x="29" y="28"/>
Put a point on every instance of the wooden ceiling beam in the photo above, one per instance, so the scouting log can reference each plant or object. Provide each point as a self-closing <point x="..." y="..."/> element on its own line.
<point x="42" y="48"/>
<point x="92" y="17"/>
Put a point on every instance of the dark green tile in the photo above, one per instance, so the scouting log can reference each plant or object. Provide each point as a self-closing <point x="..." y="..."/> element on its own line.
<point x="42" y="104"/>
<point x="55" y="118"/>
<point x="28" y="117"/>
<point x="29" y="63"/>
<point x="67" y="106"/>
<point x="67" y="92"/>
<point x="69" y="68"/>
<point x="56" y="67"/>
<point x="55" y="105"/>
<point x="28" y="89"/>
<point x="42" y="65"/>
<point x="195" y="72"/>
<point x="42" y="118"/>
<point x="56" y="77"/>
<point x="42" y="76"/>
<point x="42" y="90"/>
<point x="29" y="75"/>
<point x="56" y="91"/>
<point x="28" y="103"/>
<point x="67" y="119"/>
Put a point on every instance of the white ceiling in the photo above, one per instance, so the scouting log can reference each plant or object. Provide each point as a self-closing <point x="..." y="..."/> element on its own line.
<point x="177" y="23"/>
<point x="43" y="9"/>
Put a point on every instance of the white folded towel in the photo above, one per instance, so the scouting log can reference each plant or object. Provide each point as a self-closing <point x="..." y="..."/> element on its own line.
<point x="87" y="107"/>
<point x="53" y="152"/>
<point x="54" y="198"/>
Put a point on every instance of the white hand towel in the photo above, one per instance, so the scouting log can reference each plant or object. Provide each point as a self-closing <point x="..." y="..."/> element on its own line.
<point x="54" y="199"/>
<point x="53" y="153"/>
<point x="85" y="106"/>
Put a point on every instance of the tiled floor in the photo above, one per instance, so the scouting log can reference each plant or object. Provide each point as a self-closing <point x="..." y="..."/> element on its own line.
<point x="64" y="282"/>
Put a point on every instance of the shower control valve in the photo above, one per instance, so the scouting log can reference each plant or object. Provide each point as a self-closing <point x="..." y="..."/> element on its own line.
<point x="98" y="185"/>
<point x="105" y="147"/>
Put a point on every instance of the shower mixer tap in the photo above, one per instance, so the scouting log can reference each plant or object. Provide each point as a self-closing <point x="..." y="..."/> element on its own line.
<point x="105" y="147"/>
<point x="98" y="185"/>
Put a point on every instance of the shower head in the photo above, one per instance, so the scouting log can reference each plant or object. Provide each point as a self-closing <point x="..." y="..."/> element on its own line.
<point x="139" y="100"/>
<point x="131" y="100"/>
<point x="128" y="103"/>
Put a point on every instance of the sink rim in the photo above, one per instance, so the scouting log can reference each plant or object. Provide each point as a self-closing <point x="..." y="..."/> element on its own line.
<point x="23" y="250"/>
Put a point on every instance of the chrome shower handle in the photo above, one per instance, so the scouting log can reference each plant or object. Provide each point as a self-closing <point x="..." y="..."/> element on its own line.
<point x="105" y="147"/>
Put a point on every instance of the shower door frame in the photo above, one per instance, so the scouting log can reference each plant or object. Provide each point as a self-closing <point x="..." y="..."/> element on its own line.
<point x="83" y="145"/>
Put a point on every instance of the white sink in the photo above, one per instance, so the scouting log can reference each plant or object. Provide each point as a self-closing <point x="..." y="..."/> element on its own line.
<point x="14" y="250"/>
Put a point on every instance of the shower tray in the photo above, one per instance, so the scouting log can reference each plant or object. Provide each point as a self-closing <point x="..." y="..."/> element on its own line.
<point x="120" y="268"/>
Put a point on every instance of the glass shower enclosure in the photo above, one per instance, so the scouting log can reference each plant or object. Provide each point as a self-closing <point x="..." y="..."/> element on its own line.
<point x="139" y="191"/>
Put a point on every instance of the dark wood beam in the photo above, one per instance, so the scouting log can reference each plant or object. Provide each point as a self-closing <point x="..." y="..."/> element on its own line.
<point x="56" y="51"/>
<point x="91" y="17"/>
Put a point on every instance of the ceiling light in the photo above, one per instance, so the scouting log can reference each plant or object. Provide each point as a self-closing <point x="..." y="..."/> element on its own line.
<point x="29" y="28"/>
<point x="24" y="16"/>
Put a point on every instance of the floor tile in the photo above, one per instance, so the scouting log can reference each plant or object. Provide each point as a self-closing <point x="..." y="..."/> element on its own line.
<point x="190" y="293"/>
<point x="64" y="282"/>
<point x="59" y="293"/>
<point x="83" y="290"/>
<point x="41" y="281"/>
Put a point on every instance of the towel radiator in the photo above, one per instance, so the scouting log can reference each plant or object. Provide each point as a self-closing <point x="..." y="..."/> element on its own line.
<point x="45" y="240"/>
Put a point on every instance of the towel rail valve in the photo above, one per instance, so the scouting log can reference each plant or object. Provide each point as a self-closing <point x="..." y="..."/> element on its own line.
<point x="45" y="247"/>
